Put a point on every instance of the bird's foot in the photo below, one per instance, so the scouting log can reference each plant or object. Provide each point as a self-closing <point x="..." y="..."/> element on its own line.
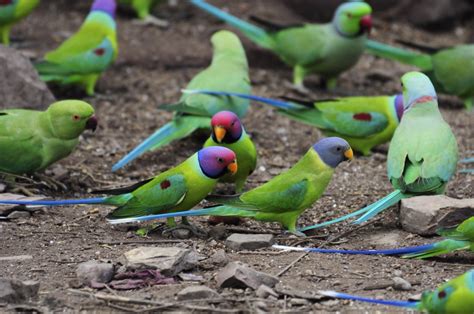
<point x="143" y="232"/>
<point x="25" y="191"/>
<point x="296" y="233"/>
<point x="184" y="231"/>
<point x="51" y="183"/>
<point x="151" y="20"/>
<point x="299" y="88"/>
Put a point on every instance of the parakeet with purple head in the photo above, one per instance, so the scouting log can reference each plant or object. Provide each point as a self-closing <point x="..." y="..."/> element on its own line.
<point x="423" y="153"/>
<point x="228" y="131"/>
<point x="284" y="198"/>
<point x="228" y="71"/>
<point x="364" y="122"/>
<point x="12" y="11"/>
<point x="31" y="140"/>
<point x="177" y="189"/>
<point x="453" y="297"/>
<point x="82" y="58"/>
<point x="326" y="49"/>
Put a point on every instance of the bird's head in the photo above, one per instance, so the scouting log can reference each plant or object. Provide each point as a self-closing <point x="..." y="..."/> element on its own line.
<point x="353" y="18"/>
<point x="226" y="127"/>
<point x="216" y="161"/>
<point x="107" y="6"/>
<point x="398" y="106"/>
<point x="417" y="89"/>
<point x="69" y="118"/>
<point x="333" y="150"/>
<point x="436" y="299"/>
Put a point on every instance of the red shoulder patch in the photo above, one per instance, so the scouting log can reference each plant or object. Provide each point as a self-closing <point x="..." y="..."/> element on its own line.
<point x="165" y="184"/>
<point x="363" y="116"/>
<point x="6" y="2"/>
<point x="99" y="51"/>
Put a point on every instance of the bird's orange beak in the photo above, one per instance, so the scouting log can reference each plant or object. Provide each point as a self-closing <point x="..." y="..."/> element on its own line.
<point x="232" y="167"/>
<point x="219" y="133"/>
<point x="349" y="154"/>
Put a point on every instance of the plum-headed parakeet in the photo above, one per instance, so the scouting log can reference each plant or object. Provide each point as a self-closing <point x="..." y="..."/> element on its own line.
<point x="11" y="11"/>
<point x="423" y="153"/>
<point x="326" y="49"/>
<point x="286" y="196"/>
<point x="458" y="238"/>
<point x="228" y="131"/>
<point x="32" y="140"/>
<point x="177" y="189"/>
<point x="364" y="122"/>
<point x="450" y="69"/>
<point x="453" y="297"/>
<point x="228" y="72"/>
<point x="83" y="57"/>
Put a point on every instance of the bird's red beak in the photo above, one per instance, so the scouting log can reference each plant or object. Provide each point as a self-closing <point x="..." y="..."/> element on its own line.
<point x="366" y="24"/>
<point x="92" y="123"/>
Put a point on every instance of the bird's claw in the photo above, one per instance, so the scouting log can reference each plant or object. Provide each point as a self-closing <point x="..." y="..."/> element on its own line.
<point x="51" y="183"/>
<point x="152" y="21"/>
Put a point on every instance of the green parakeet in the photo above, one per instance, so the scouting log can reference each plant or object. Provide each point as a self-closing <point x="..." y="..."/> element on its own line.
<point x="32" y="140"/>
<point x="227" y="131"/>
<point x="11" y="11"/>
<point x="423" y="153"/>
<point x="284" y="198"/>
<point x="364" y="122"/>
<point x="450" y="69"/>
<point x="459" y="238"/>
<point x="228" y="71"/>
<point x="453" y="297"/>
<point x="179" y="188"/>
<point x="326" y="49"/>
<point x="83" y="57"/>
<point x="141" y="7"/>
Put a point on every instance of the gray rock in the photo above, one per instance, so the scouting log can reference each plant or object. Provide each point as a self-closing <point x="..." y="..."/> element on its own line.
<point x="401" y="284"/>
<point x="241" y="241"/>
<point x="422" y="214"/>
<point x="298" y="302"/>
<point x="197" y="292"/>
<point x="239" y="275"/>
<point x="264" y="292"/>
<point x="15" y="291"/>
<point x="219" y="258"/>
<point x="170" y="261"/>
<point x="94" y="272"/>
<point x="18" y="214"/>
<point x="21" y="86"/>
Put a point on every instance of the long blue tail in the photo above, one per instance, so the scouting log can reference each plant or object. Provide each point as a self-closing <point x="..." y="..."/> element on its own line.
<point x="98" y="200"/>
<point x="400" y="251"/>
<point x="406" y="304"/>
<point x="174" y="130"/>
<point x="254" y="33"/>
<point x="467" y="160"/>
<point x="389" y="200"/>
<point x="272" y="102"/>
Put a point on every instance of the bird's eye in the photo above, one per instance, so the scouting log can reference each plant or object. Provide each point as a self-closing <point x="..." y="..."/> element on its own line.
<point x="338" y="149"/>
<point x="349" y="15"/>
<point x="220" y="160"/>
<point x="441" y="294"/>
<point x="76" y="117"/>
<point x="233" y="123"/>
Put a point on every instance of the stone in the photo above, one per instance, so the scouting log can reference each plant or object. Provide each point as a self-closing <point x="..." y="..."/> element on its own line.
<point x="422" y="214"/>
<point x="219" y="258"/>
<point x="21" y="86"/>
<point x="15" y="291"/>
<point x="170" y="261"/>
<point x="401" y="284"/>
<point x="264" y="292"/>
<point x="298" y="302"/>
<point x="239" y="275"/>
<point x="241" y="241"/>
<point x="197" y="292"/>
<point x="18" y="214"/>
<point x="94" y="272"/>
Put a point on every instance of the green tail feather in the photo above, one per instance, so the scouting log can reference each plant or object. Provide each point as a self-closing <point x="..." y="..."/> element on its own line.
<point x="423" y="61"/>
<point x="441" y="248"/>
<point x="389" y="200"/>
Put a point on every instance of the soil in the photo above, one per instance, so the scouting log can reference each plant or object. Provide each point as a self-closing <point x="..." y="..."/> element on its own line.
<point x="153" y="65"/>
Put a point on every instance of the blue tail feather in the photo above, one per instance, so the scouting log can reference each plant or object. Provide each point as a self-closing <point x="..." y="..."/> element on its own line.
<point x="97" y="200"/>
<point x="467" y="160"/>
<point x="331" y="222"/>
<point x="254" y="33"/>
<point x="399" y="251"/>
<point x="406" y="304"/>
<point x="272" y="102"/>
<point x="187" y="213"/>
<point x="384" y="203"/>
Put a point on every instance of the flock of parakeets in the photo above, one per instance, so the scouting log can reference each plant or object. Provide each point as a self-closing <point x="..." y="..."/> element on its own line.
<point x="421" y="160"/>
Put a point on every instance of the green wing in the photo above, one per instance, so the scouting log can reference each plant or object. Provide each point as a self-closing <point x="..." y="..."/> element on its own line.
<point x="161" y="194"/>
<point x="464" y="232"/>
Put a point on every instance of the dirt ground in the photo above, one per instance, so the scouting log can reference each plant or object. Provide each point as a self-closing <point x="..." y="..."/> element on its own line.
<point x="154" y="64"/>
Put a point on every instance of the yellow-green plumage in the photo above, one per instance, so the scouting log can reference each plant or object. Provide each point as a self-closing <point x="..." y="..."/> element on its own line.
<point x="141" y="7"/>
<point x="11" y="13"/>
<point x="32" y="140"/>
